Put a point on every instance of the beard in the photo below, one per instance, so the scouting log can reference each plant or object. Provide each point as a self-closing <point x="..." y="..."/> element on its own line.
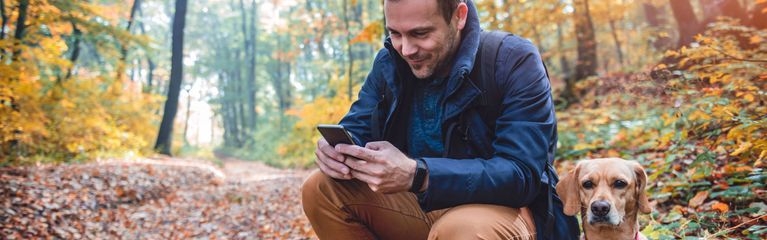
<point x="444" y="60"/>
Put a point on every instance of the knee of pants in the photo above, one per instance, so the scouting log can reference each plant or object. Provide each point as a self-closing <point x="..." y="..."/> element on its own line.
<point x="458" y="228"/>
<point x="312" y="189"/>
<point x="482" y="222"/>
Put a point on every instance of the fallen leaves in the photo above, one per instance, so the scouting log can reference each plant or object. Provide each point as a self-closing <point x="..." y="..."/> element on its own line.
<point x="146" y="201"/>
<point x="698" y="199"/>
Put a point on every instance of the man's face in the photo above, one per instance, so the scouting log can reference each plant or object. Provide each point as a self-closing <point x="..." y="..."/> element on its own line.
<point x="421" y="35"/>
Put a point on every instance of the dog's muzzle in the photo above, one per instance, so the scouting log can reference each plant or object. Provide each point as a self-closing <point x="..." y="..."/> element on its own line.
<point x="600" y="213"/>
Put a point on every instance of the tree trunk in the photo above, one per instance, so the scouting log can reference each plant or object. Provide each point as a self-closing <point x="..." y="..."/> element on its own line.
<point x="713" y="9"/>
<point x="759" y="16"/>
<point x="123" y="45"/>
<point x="252" y="83"/>
<point x="164" y="137"/>
<point x="20" y="27"/>
<point x="565" y="65"/>
<point x="188" y="114"/>
<point x="350" y="69"/>
<point x="77" y="35"/>
<point x="4" y="18"/>
<point x="656" y="17"/>
<point x="586" y="65"/>
<point x="687" y="22"/>
<point x="150" y="62"/>
<point x="617" y="42"/>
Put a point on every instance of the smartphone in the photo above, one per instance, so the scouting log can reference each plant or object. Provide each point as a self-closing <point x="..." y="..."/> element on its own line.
<point x="335" y="134"/>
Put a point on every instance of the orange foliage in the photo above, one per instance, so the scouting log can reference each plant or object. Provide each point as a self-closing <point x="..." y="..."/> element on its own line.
<point x="43" y="113"/>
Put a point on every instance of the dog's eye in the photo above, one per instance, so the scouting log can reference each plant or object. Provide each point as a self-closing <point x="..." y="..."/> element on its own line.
<point x="588" y="185"/>
<point x="620" y="184"/>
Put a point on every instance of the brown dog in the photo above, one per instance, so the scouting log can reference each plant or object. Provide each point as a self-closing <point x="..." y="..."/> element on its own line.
<point x="609" y="193"/>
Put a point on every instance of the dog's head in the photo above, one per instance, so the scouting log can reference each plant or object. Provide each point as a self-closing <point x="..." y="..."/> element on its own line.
<point x="606" y="188"/>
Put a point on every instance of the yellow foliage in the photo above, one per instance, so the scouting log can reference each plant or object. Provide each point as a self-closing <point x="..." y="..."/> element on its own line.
<point x="371" y="34"/>
<point x="323" y="110"/>
<point x="44" y="115"/>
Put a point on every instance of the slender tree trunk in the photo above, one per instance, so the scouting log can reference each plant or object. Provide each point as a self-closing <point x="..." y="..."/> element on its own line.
<point x="151" y="65"/>
<point x="124" y="45"/>
<point x="252" y="83"/>
<point x="617" y="42"/>
<point x="20" y="28"/>
<point x="656" y="17"/>
<point x="150" y="74"/>
<point x="188" y="114"/>
<point x="565" y="64"/>
<point x="586" y="65"/>
<point x="77" y="35"/>
<point x="350" y="69"/>
<point x="4" y="18"/>
<point x="164" y="137"/>
<point x="687" y="23"/>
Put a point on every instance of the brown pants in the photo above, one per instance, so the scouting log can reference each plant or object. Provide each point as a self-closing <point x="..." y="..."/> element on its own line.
<point x="348" y="209"/>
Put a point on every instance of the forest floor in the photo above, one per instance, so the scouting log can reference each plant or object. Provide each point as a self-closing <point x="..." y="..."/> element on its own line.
<point x="160" y="198"/>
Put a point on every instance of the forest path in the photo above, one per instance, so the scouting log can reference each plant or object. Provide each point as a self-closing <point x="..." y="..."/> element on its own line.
<point x="153" y="198"/>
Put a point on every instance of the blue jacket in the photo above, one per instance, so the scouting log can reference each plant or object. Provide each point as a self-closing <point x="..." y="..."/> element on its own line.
<point x="493" y="161"/>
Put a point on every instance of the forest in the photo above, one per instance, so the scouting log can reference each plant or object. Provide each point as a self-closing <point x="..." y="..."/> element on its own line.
<point x="180" y="119"/>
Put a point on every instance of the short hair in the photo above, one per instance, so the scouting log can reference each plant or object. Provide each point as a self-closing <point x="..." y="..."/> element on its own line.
<point x="446" y="7"/>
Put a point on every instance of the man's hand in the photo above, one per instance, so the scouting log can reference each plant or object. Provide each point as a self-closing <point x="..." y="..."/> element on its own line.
<point x="381" y="165"/>
<point x="330" y="161"/>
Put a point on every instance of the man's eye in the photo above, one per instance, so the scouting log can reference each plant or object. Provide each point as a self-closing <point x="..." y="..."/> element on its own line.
<point x="588" y="185"/>
<point x="620" y="184"/>
<point x="420" y="34"/>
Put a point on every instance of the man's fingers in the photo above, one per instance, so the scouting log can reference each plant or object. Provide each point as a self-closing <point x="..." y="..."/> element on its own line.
<point x="373" y="182"/>
<point x="331" y="167"/>
<point x="357" y="152"/>
<point x="377" y="145"/>
<point x="329" y="151"/>
<point x="355" y="164"/>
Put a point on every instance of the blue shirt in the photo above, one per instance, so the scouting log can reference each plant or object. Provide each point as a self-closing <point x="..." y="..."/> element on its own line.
<point x="425" y="128"/>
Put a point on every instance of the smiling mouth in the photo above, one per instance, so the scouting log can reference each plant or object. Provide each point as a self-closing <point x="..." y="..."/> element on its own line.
<point x="416" y="62"/>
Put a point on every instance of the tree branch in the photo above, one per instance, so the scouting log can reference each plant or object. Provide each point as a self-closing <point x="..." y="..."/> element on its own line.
<point x="731" y="57"/>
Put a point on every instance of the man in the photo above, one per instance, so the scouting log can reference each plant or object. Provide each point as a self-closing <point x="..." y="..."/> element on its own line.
<point x="428" y="164"/>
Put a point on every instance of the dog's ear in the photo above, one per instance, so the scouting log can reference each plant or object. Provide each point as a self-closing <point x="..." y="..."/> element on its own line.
<point x="567" y="189"/>
<point x="641" y="178"/>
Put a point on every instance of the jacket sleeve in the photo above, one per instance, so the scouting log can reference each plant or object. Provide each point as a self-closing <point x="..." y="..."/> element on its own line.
<point x="358" y="120"/>
<point x="525" y="132"/>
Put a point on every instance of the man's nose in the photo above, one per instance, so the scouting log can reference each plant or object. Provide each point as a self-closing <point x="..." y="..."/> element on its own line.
<point x="408" y="47"/>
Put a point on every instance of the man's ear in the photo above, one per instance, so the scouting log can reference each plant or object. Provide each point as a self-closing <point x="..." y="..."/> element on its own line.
<point x="641" y="178"/>
<point x="461" y="13"/>
<point x="567" y="189"/>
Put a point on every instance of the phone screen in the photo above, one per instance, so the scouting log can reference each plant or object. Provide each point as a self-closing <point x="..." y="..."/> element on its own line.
<point x="335" y="134"/>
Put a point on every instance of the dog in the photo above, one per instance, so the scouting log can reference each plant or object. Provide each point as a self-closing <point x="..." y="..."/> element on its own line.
<point x="609" y="193"/>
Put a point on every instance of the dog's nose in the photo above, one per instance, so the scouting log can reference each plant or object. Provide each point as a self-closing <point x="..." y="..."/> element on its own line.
<point x="600" y="208"/>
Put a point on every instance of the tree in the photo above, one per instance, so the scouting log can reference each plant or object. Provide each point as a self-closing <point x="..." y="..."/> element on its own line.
<point x="20" y="27"/>
<point x="4" y="18"/>
<point x="759" y="15"/>
<point x="656" y="18"/>
<point x="164" y="137"/>
<point x="687" y="23"/>
<point x="586" y="63"/>
<point x="712" y="9"/>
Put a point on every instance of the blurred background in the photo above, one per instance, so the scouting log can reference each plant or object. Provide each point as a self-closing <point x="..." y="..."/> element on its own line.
<point x="677" y="84"/>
